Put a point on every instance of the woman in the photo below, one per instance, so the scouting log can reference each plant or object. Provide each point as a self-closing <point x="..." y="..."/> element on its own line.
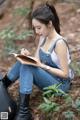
<point x="54" y="60"/>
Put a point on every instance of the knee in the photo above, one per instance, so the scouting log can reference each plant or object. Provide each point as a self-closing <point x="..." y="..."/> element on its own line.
<point x="28" y="67"/>
<point x="25" y="67"/>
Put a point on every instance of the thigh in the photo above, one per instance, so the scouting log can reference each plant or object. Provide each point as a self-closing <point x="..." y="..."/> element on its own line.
<point x="43" y="78"/>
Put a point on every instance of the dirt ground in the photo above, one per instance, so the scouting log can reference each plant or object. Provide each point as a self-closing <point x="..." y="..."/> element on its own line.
<point x="69" y="14"/>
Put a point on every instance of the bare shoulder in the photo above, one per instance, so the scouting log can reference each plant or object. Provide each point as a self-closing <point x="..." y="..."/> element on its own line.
<point x="61" y="46"/>
<point x="61" y="43"/>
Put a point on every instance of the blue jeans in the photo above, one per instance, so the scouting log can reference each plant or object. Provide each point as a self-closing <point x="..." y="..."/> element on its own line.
<point x="29" y="75"/>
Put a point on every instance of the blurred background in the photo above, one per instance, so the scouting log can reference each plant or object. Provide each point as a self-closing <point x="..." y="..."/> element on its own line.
<point x="16" y="33"/>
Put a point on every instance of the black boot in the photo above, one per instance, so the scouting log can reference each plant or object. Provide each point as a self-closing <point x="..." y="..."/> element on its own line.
<point x="6" y="81"/>
<point x="24" y="110"/>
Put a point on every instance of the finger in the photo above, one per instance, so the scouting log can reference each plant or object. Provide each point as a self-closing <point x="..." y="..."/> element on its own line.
<point x="22" y="49"/>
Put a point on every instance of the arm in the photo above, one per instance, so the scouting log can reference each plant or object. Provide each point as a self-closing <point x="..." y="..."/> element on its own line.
<point x="61" y="50"/>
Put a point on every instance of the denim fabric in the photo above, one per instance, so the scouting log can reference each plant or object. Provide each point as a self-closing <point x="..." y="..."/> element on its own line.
<point x="29" y="75"/>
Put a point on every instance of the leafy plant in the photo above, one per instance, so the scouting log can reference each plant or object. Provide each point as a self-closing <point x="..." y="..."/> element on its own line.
<point x="77" y="104"/>
<point x="76" y="67"/>
<point x="10" y="34"/>
<point x="49" y="106"/>
<point x="53" y="91"/>
<point x="69" y="115"/>
<point x="52" y="107"/>
<point x="68" y="100"/>
<point x="21" y="11"/>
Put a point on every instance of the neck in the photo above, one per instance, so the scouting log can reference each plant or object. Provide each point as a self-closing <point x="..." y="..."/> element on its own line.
<point x="52" y="34"/>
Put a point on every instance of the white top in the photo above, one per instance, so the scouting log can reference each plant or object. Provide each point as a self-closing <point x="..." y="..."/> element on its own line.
<point x="53" y="54"/>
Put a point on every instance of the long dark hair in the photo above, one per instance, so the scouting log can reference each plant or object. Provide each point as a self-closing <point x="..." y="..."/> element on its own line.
<point x="46" y="13"/>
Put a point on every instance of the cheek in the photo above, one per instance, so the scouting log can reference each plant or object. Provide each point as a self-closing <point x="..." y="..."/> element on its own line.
<point x="45" y="31"/>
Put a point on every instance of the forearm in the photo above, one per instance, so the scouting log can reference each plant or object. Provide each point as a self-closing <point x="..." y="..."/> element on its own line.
<point x="55" y="71"/>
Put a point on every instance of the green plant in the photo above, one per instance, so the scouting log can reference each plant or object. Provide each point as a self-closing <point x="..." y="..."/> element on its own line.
<point x="12" y="33"/>
<point x="53" y="91"/>
<point x="10" y="36"/>
<point x="49" y="106"/>
<point x="21" y="11"/>
<point x="69" y="115"/>
<point x="52" y="107"/>
<point x="76" y="67"/>
<point x="77" y="104"/>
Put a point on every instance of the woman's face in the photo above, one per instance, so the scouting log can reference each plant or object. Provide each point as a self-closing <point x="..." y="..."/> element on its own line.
<point x="40" y="28"/>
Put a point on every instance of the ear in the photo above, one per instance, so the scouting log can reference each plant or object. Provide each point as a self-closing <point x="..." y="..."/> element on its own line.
<point x="50" y="24"/>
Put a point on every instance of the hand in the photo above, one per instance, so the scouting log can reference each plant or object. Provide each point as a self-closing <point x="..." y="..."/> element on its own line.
<point x="41" y="65"/>
<point x="25" y="52"/>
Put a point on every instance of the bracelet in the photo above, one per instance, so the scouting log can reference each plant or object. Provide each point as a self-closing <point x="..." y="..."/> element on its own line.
<point x="47" y="67"/>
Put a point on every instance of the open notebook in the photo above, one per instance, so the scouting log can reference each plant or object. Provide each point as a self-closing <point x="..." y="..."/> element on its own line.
<point x="29" y="60"/>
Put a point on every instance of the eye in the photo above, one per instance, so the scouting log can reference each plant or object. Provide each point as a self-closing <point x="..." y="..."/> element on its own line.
<point x="38" y="27"/>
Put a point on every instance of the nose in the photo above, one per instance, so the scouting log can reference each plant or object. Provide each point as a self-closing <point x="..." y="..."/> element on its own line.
<point x="37" y="31"/>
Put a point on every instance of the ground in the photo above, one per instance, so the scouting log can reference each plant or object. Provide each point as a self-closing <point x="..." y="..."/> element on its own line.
<point x="69" y="14"/>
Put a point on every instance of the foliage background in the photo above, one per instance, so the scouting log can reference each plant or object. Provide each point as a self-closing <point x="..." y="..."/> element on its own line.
<point x="17" y="23"/>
